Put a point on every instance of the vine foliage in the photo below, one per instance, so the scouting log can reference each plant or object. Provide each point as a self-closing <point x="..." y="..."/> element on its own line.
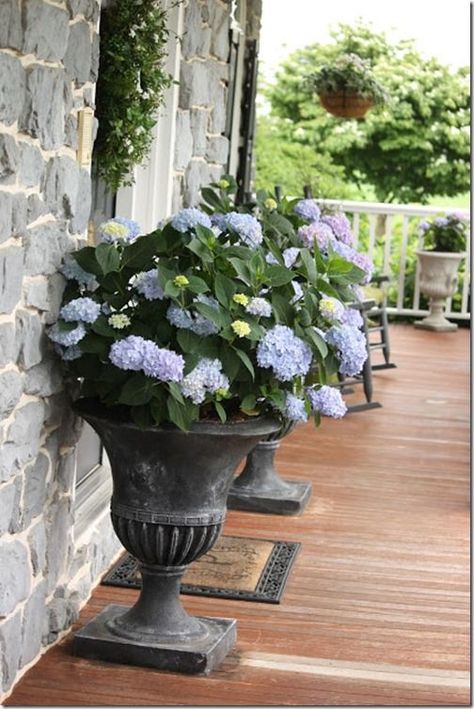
<point x="130" y="88"/>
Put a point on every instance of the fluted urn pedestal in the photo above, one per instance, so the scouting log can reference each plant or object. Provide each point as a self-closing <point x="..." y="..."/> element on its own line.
<point x="259" y="487"/>
<point x="168" y="508"/>
<point x="438" y="280"/>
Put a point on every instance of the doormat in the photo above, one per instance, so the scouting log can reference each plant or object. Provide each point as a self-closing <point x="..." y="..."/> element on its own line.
<point x="236" y="567"/>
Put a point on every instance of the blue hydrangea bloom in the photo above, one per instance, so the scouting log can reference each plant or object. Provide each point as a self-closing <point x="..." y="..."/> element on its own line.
<point x="73" y="272"/>
<point x="80" y="309"/>
<point x="188" y="218"/>
<point x="285" y="353"/>
<point x="351" y="347"/>
<point x="146" y="283"/>
<point x="294" y="409"/>
<point x="340" y="226"/>
<point x="259" y="307"/>
<point x="162" y="364"/>
<point x="71" y="353"/>
<point x="218" y="220"/>
<point x="355" y="257"/>
<point x="206" y="377"/>
<point x="246" y="226"/>
<point x="331" y="308"/>
<point x="352" y="317"/>
<point x="66" y="338"/>
<point x="290" y="255"/>
<point x="119" y="230"/>
<point x="197" y="323"/>
<point x="327" y="401"/>
<point x="308" y="209"/>
<point x="128" y="353"/>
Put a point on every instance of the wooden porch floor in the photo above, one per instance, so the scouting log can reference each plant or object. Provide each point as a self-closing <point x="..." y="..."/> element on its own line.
<point x="376" y="610"/>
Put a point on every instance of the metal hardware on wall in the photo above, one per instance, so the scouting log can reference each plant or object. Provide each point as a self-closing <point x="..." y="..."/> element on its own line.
<point x="85" y="123"/>
<point x="244" y="172"/>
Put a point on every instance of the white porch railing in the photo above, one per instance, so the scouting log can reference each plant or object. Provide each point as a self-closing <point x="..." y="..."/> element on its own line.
<point x="389" y="234"/>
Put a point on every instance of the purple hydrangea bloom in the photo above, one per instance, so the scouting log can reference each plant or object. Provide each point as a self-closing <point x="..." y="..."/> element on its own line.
<point x="355" y="257"/>
<point x="352" y="317"/>
<point x="259" y="307"/>
<point x="128" y="353"/>
<point x="331" y="308"/>
<point x="162" y="364"/>
<point x="146" y="283"/>
<point x="327" y="401"/>
<point x="66" y="338"/>
<point x="285" y="353"/>
<point x="73" y="272"/>
<point x="423" y="226"/>
<point x="119" y="230"/>
<point x="205" y="378"/>
<point x="218" y="220"/>
<point x="188" y="218"/>
<point x="80" y="309"/>
<point x="308" y="209"/>
<point x="294" y="409"/>
<point x="441" y="221"/>
<point x="197" y="323"/>
<point x="316" y="232"/>
<point x="246" y="226"/>
<point x="340" y="226"/>
<point x="351" y="347"/>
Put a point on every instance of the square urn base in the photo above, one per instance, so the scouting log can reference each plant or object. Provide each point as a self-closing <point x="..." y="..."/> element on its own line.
<point x="291" y="500"/>
<point x="201" y="656"/>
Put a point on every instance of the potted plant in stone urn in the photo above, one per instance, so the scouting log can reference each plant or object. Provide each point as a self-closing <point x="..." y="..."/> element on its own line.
<point x="317" y="250"/>
<point x="184" y="347"/>
<point x="444" y="243"/>
<point x="347" y="87"/>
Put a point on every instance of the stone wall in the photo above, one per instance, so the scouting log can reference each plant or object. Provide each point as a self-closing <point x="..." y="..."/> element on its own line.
<point x="201" y="147"/>
<point x="48" y="66"/>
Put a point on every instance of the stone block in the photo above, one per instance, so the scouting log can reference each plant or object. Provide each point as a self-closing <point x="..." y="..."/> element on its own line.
<point x="184" y="142"/>
<point x="34" y="487"/>
<point x="197" y="175"/>
<point x="34" y="624"/>
<point x="95" y="57"/>
<point x="36" y="292"/>
<point x="45" y="246"/>
<point x="25" y="430"/>
<point x="35" y="207"/>
<point x="31" y="165"/>
<point x="88" y="8"/>
<point x="12" y="88"/>
<point x="11" y="388"/>
<point x="11" y="275"/>
<point x="8" y="497"/>
<point x="70" y="131"/>
<point x="7" y="343"/>
<point x="78" y="223"/>
<point x="56" y="284"/>
<point x="220" y="33"/>
<point x="15" y="579"/>
<point x="218" y="119"/>
<point x="30" y="338"/>
<point x="43" y="111"/>
<point x="9" y="157"/>
<point x="44" y="379"/>
<point x="178" y="189"/>
<point x="59" y="525"/>
<point x="60" y="186"/>
<point x="45" y="30"/>
<point x="8" y="461"/>
<point x="199" y="123"/>
<point x="10" y="24"/>
<point x="78" y="57"/>
<point x="194" y="85"/>
<point x="19" y="213"/>
<point x="6" y="224"/>
<point x="216" y="172"/>
<point x="37" y="545"/>
<point x="10" y="649"/>
<point x="217" y="149"/>
<point x="196" y="39"/>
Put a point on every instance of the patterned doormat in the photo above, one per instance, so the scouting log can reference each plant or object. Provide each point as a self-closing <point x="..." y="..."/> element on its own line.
<point x="236" y="567"/>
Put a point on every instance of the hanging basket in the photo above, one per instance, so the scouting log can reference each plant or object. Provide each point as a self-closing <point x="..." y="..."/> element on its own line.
<point x="345" y="105"/>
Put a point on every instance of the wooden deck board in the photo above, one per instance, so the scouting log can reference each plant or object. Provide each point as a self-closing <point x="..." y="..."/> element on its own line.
<point x="376" y="609"/>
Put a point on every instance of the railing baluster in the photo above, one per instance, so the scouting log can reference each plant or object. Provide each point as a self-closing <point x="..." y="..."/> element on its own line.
<point x="387" y="244"/>
<point x="372" y="227"/>
<point x="355" y="227"/>
<point x="416" y="292"/>
<point x="403" y="256"/>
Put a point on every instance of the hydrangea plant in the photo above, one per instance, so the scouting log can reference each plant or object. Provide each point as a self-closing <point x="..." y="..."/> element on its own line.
<point x="220" y="313"/>
<point x="447" y="233"/>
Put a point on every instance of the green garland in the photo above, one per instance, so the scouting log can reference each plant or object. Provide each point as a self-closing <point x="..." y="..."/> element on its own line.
<point x="130" y="87"/>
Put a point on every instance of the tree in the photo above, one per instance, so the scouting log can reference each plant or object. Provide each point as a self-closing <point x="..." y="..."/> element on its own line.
<point x="415" y="148"/>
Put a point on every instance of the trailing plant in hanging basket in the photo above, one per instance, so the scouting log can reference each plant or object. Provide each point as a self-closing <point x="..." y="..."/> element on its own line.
<point x="130" y="86"/>
<point x="347" y="88"/>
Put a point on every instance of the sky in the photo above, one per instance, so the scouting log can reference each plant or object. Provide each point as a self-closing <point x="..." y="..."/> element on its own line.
<point x="440" y="28"/>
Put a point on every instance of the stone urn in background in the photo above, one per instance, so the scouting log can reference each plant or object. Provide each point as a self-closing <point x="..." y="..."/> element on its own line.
<point x="168" y="507"/>
<point x="438" y="281"/>
<point x="259" y="487"/>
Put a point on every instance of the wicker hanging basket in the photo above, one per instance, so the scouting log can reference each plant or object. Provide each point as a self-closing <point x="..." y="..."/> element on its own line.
<point x="346" y="105"/>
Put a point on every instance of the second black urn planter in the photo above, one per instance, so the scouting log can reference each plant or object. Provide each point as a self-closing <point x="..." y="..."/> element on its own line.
<point x="168" y="507"/>
<point x="259" y="487"/>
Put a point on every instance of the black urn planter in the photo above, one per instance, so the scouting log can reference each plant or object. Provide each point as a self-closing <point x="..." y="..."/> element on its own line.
<point x="259" y="487"/>
<point x="168" y="507"/>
